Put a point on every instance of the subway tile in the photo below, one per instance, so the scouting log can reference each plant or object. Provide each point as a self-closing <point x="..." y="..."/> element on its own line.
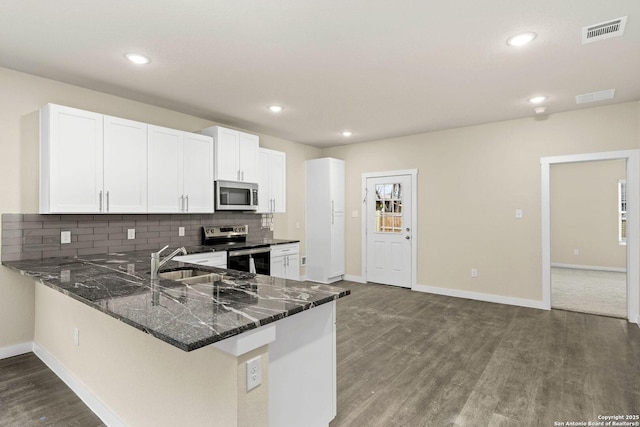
<point x="47" y="239"/>
<point x="107" y="217"/>
<point x="117" y="236"/>
<point x="42" y="232"/>
<point x="92" y="237"/>
<point x="76" y="231"/>
<point x="140" y="229"/>
<point x="12" y="241"/>
<point x="77" y="245"/>
<point x="60" y="253"/>
<point x="41" y="218"/>
<point x="11" y="233"/>
<point x="33" y="240"/>
<point x="122" y="248"/>
<point x="146" y="223"/>
<point x="12" y="217"/>
<point x="60" y="225"/>
<point x="158" y="240"/>
<point x="92" y="251"/>
<point x="21" y="225"/>
<point x="77" y="217"/>
<point x="148" y="247"/>
<point x="168" y="233"/>
<point x="147" y="235"/>
<point x="129" y="224"/>
<point x="11" y="249"/>
<point x="106" y="243"/>
<point x="107" y="230"/>
<point x="40" y="247"/>
<point x="93" y="224"/>
<point x="21" y="256"/>
<point x="159" y="228"/>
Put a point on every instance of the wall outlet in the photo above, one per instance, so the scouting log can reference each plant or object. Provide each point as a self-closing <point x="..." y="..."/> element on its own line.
<point x="65" y="237"/>
<point x="576" y="252"/>
<point x="474" y="272"/>
<point x="181" y="231"/>
<point x="303" y="260"/>
<point x="355" y="214"/>
<point x="297" y="225"/>
<point x="131" y="233"/>
<point x="254" y="373"/>
<point x="76" y="337"/>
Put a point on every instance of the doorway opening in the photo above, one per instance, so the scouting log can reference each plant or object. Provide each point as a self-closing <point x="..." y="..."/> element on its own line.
<point x="389" y="227"/>
<point x="588" y="245"/>
<point x="632" y="159"/>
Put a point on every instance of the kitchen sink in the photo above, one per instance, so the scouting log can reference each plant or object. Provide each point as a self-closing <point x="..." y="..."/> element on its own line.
<point x="190" y="276"/>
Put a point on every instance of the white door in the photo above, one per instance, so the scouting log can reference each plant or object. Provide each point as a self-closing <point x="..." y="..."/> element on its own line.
<point x="198" y="173"/>
<point x="248" y="157"/>
<point x="125" y="165"/>
<point x="165" y="170"/>
<point x="389" y="231"/>
<point x="75" y="154"/>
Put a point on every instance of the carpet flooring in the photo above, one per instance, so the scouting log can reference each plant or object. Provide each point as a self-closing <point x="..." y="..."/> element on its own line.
<point x="589" y="291"/>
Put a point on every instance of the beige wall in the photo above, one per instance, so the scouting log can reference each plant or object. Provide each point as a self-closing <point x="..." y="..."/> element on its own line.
<point x="126" y="368"/>
<point x="470" y="182"/>
<point x="584" y="214"/>
<point x="22" y="97"/>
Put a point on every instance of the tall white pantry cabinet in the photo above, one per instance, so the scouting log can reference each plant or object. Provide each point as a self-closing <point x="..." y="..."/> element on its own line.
<point x="325" y="219"/>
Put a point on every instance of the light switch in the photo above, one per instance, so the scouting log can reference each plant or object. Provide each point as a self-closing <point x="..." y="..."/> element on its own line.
<point x="519" y="213"/>
<point x="180" y="231"/>
<point x="131" y="233"/>
<point x="355" y="214"/>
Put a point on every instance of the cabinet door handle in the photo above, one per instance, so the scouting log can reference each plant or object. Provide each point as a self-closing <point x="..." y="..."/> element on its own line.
<point x="187" y="202"/>
<point x="238" y="174"/>
<point x="182" y="203"/>
<point x="100" y="200"/>
<point x="107" y="201"/>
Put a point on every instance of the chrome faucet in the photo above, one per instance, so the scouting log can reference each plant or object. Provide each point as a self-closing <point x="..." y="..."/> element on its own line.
<point x="157" y="263"/>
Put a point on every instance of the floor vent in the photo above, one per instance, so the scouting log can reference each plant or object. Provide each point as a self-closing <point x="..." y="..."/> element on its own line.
<point x="603" y="30"/>
<point x="595" y="96"/>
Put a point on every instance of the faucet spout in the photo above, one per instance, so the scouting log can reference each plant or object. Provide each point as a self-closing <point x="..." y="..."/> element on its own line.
<point x="157" y="263"/>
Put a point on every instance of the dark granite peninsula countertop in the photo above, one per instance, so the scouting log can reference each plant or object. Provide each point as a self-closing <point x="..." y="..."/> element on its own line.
<point x="188" y="316"/>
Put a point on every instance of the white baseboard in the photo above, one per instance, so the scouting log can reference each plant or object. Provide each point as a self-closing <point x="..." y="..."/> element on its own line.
<point x="16" y="350"/>
<point x="480" y="296"/>
<point x="357" y="279"/>
<point x="589" y="267"/>
<point x="101" y="410"/>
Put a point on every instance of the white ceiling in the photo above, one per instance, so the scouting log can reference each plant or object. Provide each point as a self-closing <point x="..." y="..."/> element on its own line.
<point x="378" y="68"/>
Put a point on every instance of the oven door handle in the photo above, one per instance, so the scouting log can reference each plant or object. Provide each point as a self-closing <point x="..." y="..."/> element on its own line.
<point x="242" y="252"/>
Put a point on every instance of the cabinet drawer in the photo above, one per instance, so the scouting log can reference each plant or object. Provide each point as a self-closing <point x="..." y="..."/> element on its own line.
<point x="287" y="249"/>
<point x="212" y="259"/>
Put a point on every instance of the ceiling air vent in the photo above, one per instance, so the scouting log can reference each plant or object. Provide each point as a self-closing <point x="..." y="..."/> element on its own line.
<point x="603" y="30"/>
<point x="595" y="96"/>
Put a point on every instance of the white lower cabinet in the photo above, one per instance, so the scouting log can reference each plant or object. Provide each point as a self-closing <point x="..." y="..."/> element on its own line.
<point x="209" y="259"/>
<point x="285" y="261"/>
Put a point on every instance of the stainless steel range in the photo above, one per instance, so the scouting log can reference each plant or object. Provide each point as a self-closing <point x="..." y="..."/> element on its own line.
<point x="252" y="257"/>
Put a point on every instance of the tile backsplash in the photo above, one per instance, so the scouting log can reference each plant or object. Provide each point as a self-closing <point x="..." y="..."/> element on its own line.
<point x="35" y="236"/>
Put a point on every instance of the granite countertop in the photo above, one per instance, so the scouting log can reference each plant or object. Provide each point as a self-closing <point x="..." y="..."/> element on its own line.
<point x="186" y="316"/>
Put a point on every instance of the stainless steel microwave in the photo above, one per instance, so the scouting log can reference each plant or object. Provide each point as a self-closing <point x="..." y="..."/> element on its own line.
<point x="236" y="196"/>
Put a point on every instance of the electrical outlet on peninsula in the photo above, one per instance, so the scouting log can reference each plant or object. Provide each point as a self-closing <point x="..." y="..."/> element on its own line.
<point x="254" y="373"/>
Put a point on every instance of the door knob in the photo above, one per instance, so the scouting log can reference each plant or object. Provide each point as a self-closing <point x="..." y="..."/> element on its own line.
<point x="407" y="237"/>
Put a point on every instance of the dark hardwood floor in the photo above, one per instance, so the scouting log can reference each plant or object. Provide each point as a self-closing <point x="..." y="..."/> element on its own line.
<point x="32" y="395"/>
<point x="411" y="359"/>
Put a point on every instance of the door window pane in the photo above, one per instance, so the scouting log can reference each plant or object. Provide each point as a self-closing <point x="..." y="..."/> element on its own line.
<point x="388" y="208"/>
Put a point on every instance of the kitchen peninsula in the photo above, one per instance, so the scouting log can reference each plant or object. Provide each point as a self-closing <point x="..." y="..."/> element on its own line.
<point x="177" y="371"/>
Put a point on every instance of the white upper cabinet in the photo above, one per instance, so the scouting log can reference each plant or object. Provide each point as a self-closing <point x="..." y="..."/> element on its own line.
<point x="165" y="170"/>
<point x="272" y="189"/>
<point x="125" y="165"/>
<point x="248" y="157"/>
<point x="235" y="154"/>
<point x="180" y="171"/>
<point x="71" y="160"/>
<point x="197" y="155"/>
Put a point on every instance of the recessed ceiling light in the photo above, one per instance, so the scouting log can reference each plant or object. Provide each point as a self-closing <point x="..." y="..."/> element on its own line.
<point x="275" y="108"/>
<point x="347" y="133"/>
<point x="136" y="58"/>
<point x="537" y="99"/>
<point x="521" y="39"/>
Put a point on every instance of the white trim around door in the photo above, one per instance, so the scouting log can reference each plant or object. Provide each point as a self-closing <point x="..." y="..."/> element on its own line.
<point x="413" y="173"/>
<point x="632" y="158"/>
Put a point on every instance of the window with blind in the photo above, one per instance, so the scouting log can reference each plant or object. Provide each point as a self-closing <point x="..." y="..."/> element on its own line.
<point x="622" y="212"/>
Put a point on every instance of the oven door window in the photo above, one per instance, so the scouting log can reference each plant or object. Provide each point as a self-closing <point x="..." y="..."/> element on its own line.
<point x="235" y="196"/>
<point x="260" y="261"/>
